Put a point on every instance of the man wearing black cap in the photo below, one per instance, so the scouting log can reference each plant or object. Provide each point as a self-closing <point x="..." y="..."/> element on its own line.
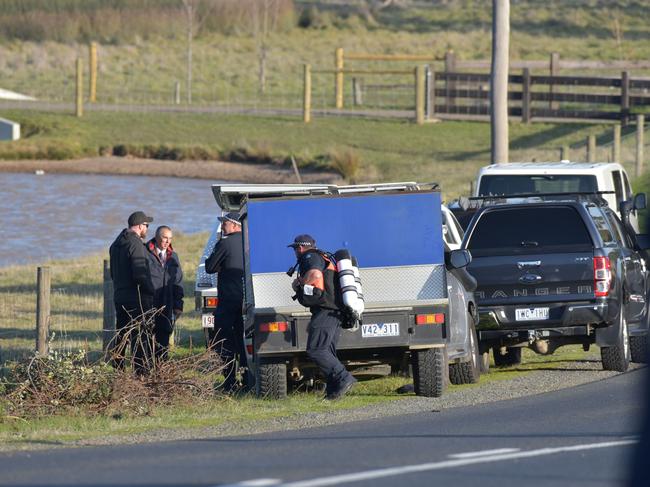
<point x="315" y="288"/>
<point x="132" y="290"/>
<point x="227" y="337"/>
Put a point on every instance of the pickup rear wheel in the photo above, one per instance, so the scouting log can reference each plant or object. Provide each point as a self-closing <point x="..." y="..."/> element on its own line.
<point x="429" y="372"/>
<point x="639" y="349"/>
<point x="511" y="357"/>
<point x="271" y="380"/>
<point x="468" y="372"/>
<point x="618" y="356"/>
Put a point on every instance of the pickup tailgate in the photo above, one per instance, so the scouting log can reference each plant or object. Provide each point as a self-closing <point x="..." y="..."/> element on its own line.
<point x="533" y="264"/>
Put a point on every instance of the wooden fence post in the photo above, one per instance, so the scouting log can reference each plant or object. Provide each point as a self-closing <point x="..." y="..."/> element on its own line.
<point x="79" y="111"/>
<point x="525" y="96"/>
<point x="339" y="77"/>
<point x="640" y="127"/>
<point x="92" y="96"/>
<point x="554" y="70"/>
<point x="43" y="281"/>
<point x="565" y="153"/>
<point x="177" y="92"/>
<point x="357" y="91"/>
<point x="616" y="145"/>
<point x="431" y="94"/>
<point x="625" y="97"/>
<point x="108" y="327"/>
<point x="591" y="148"/>
<point x="450" y="67"/>
<point x="419" y="95"/>
<point x="306" y="106"/>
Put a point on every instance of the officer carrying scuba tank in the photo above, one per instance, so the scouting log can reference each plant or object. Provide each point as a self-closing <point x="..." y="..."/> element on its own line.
<point x="315" y="289"/>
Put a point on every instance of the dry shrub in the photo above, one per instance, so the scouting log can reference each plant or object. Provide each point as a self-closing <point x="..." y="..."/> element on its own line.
<point x="60" y="383"/>
<point x="346" y="162"/>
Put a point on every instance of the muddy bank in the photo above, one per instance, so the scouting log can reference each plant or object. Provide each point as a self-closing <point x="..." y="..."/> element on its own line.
<point x="213" y="170"/>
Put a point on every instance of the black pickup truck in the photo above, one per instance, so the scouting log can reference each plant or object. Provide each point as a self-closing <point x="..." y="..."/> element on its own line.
<point x="556" y="271"/>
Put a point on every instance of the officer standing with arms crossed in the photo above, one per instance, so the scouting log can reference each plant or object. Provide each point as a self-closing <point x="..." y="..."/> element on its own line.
<point x="227" y="337"/>
<point x="315" y="288"/>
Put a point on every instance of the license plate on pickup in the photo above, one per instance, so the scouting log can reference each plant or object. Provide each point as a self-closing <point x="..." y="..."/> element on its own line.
<point x="373" y="330"/>
<point x="207" y="320"/>
<point x="531" y="314"/>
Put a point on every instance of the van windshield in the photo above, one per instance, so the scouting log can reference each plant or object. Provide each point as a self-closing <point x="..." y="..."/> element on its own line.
<point x="508" y="184"/>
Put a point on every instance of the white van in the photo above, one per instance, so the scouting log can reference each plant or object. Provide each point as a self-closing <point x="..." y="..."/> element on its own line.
<point x="557" y="177"/>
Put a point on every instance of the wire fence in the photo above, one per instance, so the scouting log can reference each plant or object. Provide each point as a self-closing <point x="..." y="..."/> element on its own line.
<point x="76" y="316"/>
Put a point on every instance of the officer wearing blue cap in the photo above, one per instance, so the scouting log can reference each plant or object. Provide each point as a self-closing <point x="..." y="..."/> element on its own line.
<point x="315" y="288"/>
<point x="227" y="337"/>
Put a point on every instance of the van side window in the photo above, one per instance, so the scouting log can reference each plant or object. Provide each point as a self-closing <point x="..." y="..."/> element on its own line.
<point x="626" y="185"/>
<point x="618" y="186"/>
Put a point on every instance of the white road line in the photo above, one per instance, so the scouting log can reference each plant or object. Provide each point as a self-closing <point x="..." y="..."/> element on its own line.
<point x="483" y="453"/>
<point x="254" y="483"/>
<point x="394" y="471"/>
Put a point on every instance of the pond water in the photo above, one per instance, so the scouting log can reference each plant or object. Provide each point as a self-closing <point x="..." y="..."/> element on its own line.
<point x="59" y="216"/>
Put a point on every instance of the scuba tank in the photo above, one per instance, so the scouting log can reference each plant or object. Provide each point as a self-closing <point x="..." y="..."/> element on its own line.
<point x="350" y="286"/>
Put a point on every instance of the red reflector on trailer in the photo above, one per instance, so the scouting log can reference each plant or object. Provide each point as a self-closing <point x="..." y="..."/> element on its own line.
<point x="249" y="349"/>
<point x="430" y="319"/>
<point x="210" y="302"/>
<point x="274" y="326"/>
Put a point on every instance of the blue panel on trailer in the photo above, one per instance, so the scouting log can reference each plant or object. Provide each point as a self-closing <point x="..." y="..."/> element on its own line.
<point x="380" y="230"/>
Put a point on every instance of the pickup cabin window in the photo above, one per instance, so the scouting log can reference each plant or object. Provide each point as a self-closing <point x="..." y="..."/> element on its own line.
<point x="618" y="186"/>
<point x="529" y="230"/>
<point x="619" y="232"/>
<point x="602" y="225"/>
<point x="503" y="184"/>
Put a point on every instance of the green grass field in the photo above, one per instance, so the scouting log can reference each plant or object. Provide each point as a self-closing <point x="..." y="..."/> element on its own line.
<point x="449" y="153"/>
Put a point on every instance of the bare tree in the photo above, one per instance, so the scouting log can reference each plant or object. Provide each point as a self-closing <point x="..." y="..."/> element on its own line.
<point x="196" y="11"/>
<point x="265" y="15"/>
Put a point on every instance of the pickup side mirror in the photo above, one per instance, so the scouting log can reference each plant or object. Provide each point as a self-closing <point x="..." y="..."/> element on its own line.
<point x="459" y="258"/>
<point x="639" y="202"/>
<point x="642" y="241"/>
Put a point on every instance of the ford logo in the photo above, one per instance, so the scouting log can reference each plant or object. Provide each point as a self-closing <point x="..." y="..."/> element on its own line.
<point x="530" y="278"/>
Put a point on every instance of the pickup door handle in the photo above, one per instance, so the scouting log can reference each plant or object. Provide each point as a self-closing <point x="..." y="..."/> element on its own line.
<point x="529" y="263"/>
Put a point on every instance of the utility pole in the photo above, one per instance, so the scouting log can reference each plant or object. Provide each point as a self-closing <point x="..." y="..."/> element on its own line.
<point x="499" y="80"/>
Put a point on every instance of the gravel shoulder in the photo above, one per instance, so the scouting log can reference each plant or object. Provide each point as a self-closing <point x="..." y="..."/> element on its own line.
<point x="529" y="383"/>
<point x="213" y="170"/>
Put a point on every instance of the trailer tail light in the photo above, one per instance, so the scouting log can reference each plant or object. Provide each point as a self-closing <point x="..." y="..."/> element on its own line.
<point x="249" y="348"/>
<point x="602" y="276"/>
<point x="274" y="326"/>
<point x="430" y="319"/>
<point x="210" y="302"/>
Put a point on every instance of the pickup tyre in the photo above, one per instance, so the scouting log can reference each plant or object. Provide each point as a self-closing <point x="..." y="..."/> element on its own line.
<point x="512" y="356"/>
<point x="429" y="367"/>
<point x="271" y="380"/>
<point x="618" y="357"/>
<point x="468" y="372"/>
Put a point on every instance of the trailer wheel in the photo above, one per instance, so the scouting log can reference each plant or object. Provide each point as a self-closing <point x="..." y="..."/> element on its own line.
<point x="429" y="372"/>
<point x="271" y="380"/>
<point x="618" y="357"/>
<point x="468" y="372"/>
<point x="511" y="357"/>
<point x="639" y="349"/>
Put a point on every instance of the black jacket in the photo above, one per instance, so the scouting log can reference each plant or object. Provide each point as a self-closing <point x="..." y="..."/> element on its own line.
<point x="227" y="259"/>
<point x="130" y="269"/>
<point x="167" y="280"/>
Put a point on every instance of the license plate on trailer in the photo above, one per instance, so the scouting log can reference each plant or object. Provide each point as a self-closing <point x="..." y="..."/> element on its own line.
<point x="373" y="330"/>
<point x="531" y="314"/>
<point x="207" y="321"/>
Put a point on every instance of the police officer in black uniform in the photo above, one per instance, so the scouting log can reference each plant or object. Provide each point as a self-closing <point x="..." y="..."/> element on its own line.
<point x="227" y="337"/>
<point x="315" y="288"/>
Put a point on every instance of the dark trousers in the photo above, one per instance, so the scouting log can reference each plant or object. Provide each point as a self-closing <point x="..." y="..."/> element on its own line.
<point x="324" y="331"/>
<point x="162" y="332"/>
<point x="130" y="330"/>
<point x="227" y="339"/>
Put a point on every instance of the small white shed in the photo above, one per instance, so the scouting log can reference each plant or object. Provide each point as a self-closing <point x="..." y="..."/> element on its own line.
<point x="9" y="130"/>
